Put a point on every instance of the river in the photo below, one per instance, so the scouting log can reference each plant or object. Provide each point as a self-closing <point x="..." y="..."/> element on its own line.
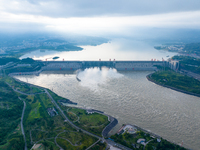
<point x="132" y="99"/>
<point x="118" y="49"/>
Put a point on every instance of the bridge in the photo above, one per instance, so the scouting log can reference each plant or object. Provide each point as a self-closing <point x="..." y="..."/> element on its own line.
<point x="118" y="65"/>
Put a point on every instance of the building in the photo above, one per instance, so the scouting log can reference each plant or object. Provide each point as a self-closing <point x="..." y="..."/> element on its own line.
<point x="174" y="64"/>
<point x="141" y="141"/>
<point x="158" y="140"/>
<point x="129" y="129"/>
<point x="52" y="112"/>
<point x="89" y="111"/>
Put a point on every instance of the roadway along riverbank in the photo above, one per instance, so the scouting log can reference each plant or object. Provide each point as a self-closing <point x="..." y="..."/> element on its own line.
<point x="65" y="117"/>
<point x="91" y="134"/>
<point x="105" y="131"/>
<point x="109" y="127"/>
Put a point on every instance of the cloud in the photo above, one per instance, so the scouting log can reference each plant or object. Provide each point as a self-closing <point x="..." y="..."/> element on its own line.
<point x="91" y="8"/>
<point x="101" y="24"/>
<point x="98" y="17"/>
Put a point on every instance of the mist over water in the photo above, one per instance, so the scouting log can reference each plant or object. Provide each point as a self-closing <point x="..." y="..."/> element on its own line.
<point x="118" y="49"/>
<point x="93" y="78"/>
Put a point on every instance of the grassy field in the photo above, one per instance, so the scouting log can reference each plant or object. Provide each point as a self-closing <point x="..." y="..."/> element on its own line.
<point x="99" y="146"/>
<point x="56" y="97"/>
<point x="85" y="142"/>
<point x="74" y="137"/>
<point x="94" y="123"/>
<point x="176" y="80"/>
<point x="23" y="87"/>
<point x="40" y="127"/>
<point x="34" y="112"/>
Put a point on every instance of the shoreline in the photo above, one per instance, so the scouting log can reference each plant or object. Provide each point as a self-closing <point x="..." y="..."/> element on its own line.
<point x="106" y="130"/>
<point x="114" y="121"/>
<point x="170" y="87"/>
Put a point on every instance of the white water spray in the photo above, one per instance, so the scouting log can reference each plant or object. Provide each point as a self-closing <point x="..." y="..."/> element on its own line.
<point x="95" y="77"/>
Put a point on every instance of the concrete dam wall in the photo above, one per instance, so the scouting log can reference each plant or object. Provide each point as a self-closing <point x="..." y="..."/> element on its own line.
<point x="119" y="65"/>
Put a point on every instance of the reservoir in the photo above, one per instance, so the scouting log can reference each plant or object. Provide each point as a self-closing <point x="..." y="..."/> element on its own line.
<point x="118" y="49"/>
<point x="131" y="98"/>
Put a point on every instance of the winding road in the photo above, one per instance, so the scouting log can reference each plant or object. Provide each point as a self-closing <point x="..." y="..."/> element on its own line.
<point x="71" y="123"/>
<point x="108" y="128"/>
<point x="91" y="134"/>
<point x="22" y="128"/>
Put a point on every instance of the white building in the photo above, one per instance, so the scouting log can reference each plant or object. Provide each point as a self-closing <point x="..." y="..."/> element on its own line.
<point x="130" y="129"/>
<point x="141" y="141"/>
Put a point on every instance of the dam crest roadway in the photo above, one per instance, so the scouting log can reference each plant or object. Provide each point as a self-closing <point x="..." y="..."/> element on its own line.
<point x="118" y="65"/>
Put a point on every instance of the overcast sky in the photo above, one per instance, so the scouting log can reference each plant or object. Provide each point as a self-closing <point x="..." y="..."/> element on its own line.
<point x="97" y="16"/>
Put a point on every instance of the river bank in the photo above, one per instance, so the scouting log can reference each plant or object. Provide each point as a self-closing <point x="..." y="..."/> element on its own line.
<point x="149" y="78"/>
<point x="132" y="99"/>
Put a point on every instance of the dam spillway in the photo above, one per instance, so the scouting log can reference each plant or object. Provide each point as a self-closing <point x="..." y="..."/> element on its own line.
<point x="118" y="65"/>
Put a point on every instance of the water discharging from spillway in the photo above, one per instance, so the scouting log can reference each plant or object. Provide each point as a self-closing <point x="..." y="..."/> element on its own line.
<point x="92" y="78"/>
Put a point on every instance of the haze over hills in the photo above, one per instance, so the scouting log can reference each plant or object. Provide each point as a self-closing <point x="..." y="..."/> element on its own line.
<point x="95" y="75"/>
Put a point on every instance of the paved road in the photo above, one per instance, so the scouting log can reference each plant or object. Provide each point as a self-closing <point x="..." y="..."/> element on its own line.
<point x="117" y="145"/>
<point x="92" y="145"/>
<point x="25" y="148"/>
<point x="23" y="92"/>
<point x="91" y="134"/>
<point x="65" y="117"/>
<point x="108" y="128"/>
<point x="191" y="74"/>
<point x="10" y="64"/>
<point x="147" y="143"/>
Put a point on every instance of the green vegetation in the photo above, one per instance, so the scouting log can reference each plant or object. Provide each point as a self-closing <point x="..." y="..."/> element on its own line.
<point x="78" y="140"/>
<point x="19" y="52"/>
<point x="55" y="96"/>
<point x="188" y="63"/>
<point x="5" y="60"/>
<point x="85" y="142"/>
<point x="62" y="47"/>
<point x="32" y="68"/>
<point x="162" y="68"/>
<point x="24" y="65"/>
<point x="74" y="137"/>
<point x="99" y="146"/>
<point x="65" y="47"/>
<point x="176" y="80"/>
<point x="60" y="99"/>
<point x="94" y="123"/>
<point x="192" y="48"/>
<point x="130" y="140"/>
<point x="39" y="126"/>
<point x="23" y="87"/>
<point x="164" y="145"/>
<point x="10" y="115"/>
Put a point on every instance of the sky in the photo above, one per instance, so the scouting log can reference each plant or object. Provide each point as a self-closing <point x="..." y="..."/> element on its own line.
<point x="91" y="17"/>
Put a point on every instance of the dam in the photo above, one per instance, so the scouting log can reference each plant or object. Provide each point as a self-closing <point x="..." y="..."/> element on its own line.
<point x="118" y="65"/>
